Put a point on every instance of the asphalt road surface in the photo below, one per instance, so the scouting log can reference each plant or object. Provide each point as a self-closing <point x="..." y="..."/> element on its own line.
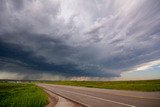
<point x="93" y="97"/>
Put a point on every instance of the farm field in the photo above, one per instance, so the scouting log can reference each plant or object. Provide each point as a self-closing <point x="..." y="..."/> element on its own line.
<point x="140" y="85"/>
<point x="21" y="95"/>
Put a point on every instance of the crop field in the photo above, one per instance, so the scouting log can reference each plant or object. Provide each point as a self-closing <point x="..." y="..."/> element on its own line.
<point x="142" y="85"/>
<point x="21" y="95"/>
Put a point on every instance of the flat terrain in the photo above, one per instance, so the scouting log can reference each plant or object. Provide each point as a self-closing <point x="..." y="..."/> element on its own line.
<point x="143" y="85"/>
<point x="22" y="95"/>
<point x="93" y="97"/>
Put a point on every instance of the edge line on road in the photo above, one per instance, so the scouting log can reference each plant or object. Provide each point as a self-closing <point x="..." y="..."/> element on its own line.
<point x="85" y="105"/>
<point x="101" y="98"/>
<point x="132" y="96"/>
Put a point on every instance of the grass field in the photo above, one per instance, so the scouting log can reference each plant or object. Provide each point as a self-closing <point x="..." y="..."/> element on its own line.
<point x="143" y="85"/>
<point x="21" y="95"/>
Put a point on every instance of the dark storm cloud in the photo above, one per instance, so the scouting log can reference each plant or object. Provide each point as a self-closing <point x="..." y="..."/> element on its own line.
<point x="14" y="58"/>
<point x="78" y="38"/>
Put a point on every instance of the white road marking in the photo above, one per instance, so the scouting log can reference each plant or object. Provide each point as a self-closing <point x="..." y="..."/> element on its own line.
<point x="99" y="98"/>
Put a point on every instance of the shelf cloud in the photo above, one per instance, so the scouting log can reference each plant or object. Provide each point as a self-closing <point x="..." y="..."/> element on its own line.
<point x="77" y="38"/>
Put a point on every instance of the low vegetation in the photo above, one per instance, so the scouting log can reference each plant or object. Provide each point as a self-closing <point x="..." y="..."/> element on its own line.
<point x="21" y="95"/>
<point x="143" y="85"/>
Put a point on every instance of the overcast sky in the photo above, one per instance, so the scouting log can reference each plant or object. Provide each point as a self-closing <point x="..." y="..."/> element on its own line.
<point x="80" y="39"/>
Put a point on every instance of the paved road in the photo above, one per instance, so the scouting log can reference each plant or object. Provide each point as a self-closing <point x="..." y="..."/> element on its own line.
<point x="93" y="97"/>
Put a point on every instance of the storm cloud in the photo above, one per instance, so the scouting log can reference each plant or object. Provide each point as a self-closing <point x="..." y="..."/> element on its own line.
<point x="78" y="38"/>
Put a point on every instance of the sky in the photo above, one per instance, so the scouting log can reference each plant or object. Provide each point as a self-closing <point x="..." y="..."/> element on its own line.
<point x="80" y="39"/>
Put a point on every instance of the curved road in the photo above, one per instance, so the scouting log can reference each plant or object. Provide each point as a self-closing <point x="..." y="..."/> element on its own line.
<point x="93" y="97"/>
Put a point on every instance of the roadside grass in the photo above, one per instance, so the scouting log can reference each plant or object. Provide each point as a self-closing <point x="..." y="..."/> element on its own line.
<point x="141" y="85"/>
<point x="21" y="95"/>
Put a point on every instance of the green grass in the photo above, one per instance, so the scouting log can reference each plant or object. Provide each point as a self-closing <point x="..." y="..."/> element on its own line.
<point x="21" y="95"/>
<point x="143" y="85"/>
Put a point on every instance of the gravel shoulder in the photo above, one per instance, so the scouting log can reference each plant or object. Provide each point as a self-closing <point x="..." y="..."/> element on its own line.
<point x="58" y="101"/>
